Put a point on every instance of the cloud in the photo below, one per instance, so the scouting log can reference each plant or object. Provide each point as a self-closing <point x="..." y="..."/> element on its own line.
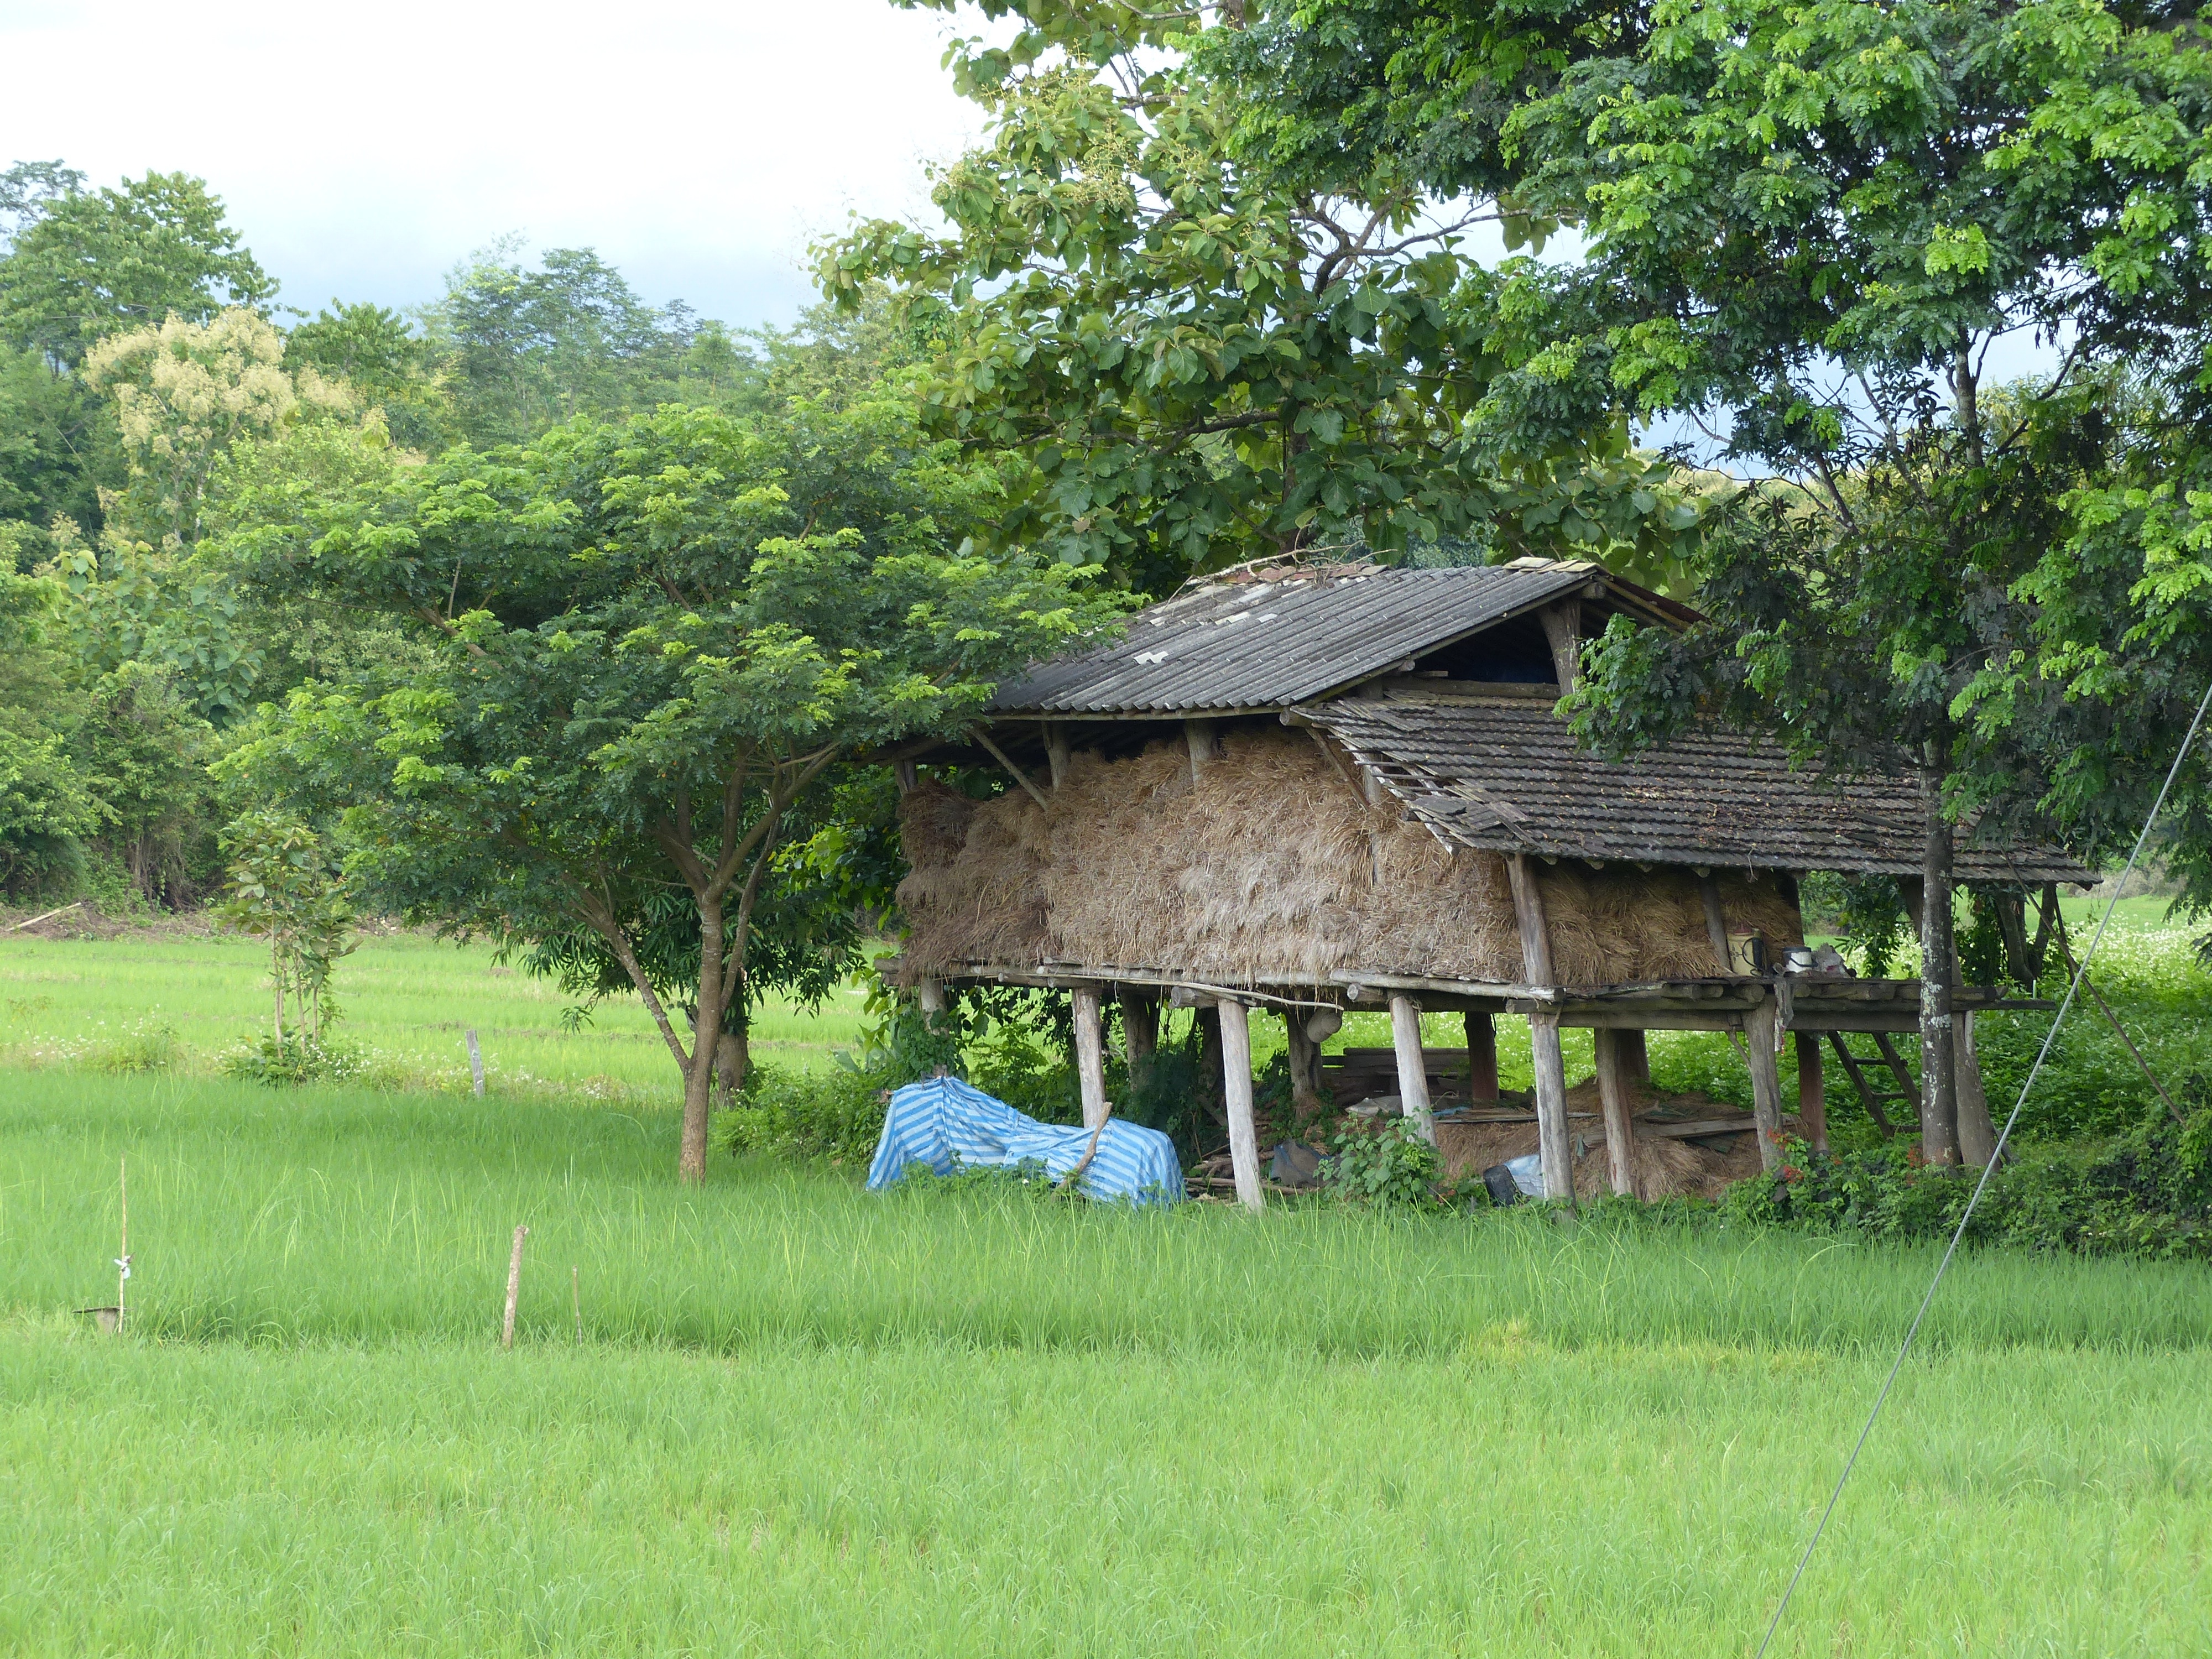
<point x="363" y="151"/>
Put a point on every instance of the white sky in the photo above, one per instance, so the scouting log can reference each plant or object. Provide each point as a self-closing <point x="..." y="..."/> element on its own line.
<point x="362" y="150"/>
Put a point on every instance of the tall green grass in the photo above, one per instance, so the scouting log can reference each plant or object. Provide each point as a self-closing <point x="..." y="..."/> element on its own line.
<point x="408" y="999"/>
<point x="287" y="1217"/>
<point x="809" y="1421"/>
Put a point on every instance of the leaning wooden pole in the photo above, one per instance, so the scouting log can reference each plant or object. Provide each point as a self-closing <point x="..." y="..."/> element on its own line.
<point x="1615" y="1088"/>
<point x="1762" y="1038"/>
<point x="1552" y="1149"/>
<point x="1237" y="1096"/>
<point x="1413" y="1066"/>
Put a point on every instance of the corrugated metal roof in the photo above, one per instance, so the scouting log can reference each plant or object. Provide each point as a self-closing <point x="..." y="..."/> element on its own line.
<point x="1507" y="776"/>
<point x="1267" y="642"/>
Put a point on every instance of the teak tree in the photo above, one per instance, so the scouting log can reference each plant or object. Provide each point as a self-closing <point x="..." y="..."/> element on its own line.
<point x="641" y="659"/>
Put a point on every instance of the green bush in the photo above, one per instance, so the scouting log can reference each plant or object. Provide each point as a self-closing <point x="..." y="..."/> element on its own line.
<point x="144" y="1048"/>
<point x="2145" y="1193"/>
<point x="1386" y="1164"/>
<point x="833" y="1117"/>
<point x="294" y="1058"/>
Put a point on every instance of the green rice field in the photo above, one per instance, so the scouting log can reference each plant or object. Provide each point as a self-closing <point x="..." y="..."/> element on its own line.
<point x="799" y="1419"/>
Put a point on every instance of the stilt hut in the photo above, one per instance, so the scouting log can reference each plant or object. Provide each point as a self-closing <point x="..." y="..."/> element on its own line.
<point x="1313" y="788"/>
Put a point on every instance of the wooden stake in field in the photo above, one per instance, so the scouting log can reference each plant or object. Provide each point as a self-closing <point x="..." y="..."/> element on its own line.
<point x="513" y="1288"/>
<point x="123" y="1260"/>
<point x="476" y="1064"/>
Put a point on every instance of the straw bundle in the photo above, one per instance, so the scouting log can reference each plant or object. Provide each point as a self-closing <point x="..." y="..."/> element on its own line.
<point x="1269" y="869"/>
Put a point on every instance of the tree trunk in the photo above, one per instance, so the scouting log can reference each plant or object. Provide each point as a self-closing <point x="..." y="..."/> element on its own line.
<point x="1140" y="1036"/>
<point x="1308" y="1097"/>
<point x="1939" y="1093"/>
<point x="1209" y="1066"/>
<point x="699" y="1068"/>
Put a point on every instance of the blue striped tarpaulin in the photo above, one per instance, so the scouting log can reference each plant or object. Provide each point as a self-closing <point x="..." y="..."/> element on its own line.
<point x="943" y="1125"/>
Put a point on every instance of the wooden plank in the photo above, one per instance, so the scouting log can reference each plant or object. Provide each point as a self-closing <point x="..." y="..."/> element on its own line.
<point x="1761" y="1030"/>
<point x="1635" y="1057"/>
<point x="1237" y="1096"/>
<point x="1412" y="1067"/>
<point x="1613" y="1094"/>
<point x="1812" y="1103"/>
<point x="1090" y="1057"/>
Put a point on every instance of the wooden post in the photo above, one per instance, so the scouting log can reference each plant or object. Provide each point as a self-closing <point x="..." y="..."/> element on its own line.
<point x="1557" y="1156"/>
<point x="1055" y="750"/>
<point x="1309" y="1097"/>
<point x="1090" y="1057"/>
<point x="929" y="996"/>
<point x="475" y="1061"/>
<point x="1563" y="628"/>
<point x="123" y="1257"/>
<point x="1812" y="1097"/>
<point x="1140" y="1034"/>
<point x="1237" y="1095"/>
<point x="513" y="1288"/>
<point x="1615" y="1090"/>
<point x="1636" y="1060"/>
<point x="1204" y="745"/>
<point x="1481" y="1058"/>
<point x="1715" y="923"/>
<point x="907" y="776"/>
<point x="1412" y="1068"/>
<point x="1762" y="1028"/>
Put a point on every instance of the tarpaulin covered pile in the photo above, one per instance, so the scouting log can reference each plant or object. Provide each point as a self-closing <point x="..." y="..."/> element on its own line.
<point x="943" y="1125"/>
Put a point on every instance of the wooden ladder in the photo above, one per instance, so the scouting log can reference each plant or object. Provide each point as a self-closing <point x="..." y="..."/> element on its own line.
<point x="1856" y="1066"/>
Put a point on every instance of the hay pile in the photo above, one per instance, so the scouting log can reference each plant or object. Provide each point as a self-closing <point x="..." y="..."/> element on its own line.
<point x="1270" y="870"/>
<point x="1661" y="1167"/>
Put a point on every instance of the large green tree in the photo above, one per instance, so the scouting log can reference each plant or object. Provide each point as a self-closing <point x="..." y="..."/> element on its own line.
<point x="94" y="262"/>
<point x="648" y="645"/>
<point x="1805" y="225"/>
<point x="1206" y="358"/>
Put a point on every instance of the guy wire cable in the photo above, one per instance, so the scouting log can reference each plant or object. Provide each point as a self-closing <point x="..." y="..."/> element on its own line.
<point x="1996" y="1157"/>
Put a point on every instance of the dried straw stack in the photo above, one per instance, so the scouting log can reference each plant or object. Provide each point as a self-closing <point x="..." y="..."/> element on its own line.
<point x="1269" y="869"/>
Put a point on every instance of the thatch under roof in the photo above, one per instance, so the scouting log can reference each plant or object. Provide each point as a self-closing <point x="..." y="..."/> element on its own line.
<point x="1270" y="869"/>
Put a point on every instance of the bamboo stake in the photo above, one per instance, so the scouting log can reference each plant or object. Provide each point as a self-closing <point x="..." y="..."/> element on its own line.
<point x="122" y="1261"/>
<point x="513" y="1287"/>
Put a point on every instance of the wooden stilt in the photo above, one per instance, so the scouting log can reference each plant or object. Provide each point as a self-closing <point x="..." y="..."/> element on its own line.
<point x="1140" y="1035"/>
<point x="1204" y="743"/>
<point x="1055" y="750"/>
<point x="1412" y="1067"/>
<point x="1762" y="1027"/>
<point x="1556" y="1154"/>
<point x="1481" y="1058"/>
<point x="1552" y="1148"/>
<point x="1812" y="1097"/>
<point x="1636" y="1060"/>
<point x="929" y="996"/>
<point x="1310" y="1095"/>
<point x="1090" y="1057"/>
<point x="1616" y="1095"/>
<point x="1237" y="1096"/>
